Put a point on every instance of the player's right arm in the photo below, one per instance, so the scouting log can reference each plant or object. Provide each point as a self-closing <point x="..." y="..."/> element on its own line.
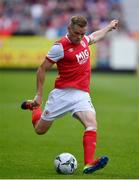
<point x="44" y="67"/>
<point x="55" y="54"/>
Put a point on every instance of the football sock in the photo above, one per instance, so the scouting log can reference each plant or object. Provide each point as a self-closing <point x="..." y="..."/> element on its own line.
<point x="89" y="144"/>
<point x="36" y="114"/>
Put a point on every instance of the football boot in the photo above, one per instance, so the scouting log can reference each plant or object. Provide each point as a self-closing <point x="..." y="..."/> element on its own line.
<point x="29" y="105"/>
<point x="97" y="165"/>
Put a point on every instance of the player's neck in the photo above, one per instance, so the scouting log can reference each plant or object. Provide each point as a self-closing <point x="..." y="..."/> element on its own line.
<point x="68" y="37"/>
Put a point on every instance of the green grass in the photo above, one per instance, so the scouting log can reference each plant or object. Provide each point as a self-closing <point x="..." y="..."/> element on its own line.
<point x="23" y="154"/>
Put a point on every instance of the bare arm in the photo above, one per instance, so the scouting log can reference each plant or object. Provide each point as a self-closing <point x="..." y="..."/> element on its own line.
<point x="100" y="34"/>
<point x="45" y="66"/>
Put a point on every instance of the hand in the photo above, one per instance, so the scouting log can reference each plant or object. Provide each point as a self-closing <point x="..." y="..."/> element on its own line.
<point x="114" y="24"/>
<point x="37" y="100"/>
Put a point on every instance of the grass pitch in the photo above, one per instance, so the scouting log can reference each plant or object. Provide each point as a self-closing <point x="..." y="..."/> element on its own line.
<point x="23" y="154"/>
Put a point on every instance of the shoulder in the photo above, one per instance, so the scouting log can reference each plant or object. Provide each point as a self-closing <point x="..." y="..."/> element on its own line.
<point x="90" y="39"/>
<point x="87" y="38"/>
<point x="64" y="41"/>
<point x="56" y="52"/>
<point x="56" y="48"/>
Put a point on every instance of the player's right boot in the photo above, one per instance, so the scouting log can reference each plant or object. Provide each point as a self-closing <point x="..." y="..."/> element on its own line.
<point x="28" y="105"/>
<point x="97" y="165"/>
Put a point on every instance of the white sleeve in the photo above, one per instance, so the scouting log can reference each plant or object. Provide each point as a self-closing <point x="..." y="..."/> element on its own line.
<point x="87" y="38"/>
<point x="56" y="52"/>
<point x="90" y="39"/>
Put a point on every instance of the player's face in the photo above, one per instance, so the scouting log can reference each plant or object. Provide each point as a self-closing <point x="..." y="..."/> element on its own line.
<point x="76" y="33"/>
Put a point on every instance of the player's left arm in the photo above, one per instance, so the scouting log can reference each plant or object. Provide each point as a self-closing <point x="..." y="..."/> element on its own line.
<point x="100" y="34"/>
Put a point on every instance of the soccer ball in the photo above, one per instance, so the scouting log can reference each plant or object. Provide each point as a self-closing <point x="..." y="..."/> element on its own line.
<point x="65" y="163"/>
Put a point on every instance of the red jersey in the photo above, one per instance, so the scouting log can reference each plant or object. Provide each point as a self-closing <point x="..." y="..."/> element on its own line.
<point x="74" y="68"/>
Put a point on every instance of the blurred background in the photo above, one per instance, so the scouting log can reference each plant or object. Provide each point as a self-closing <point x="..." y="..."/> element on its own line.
<point x="28" y="28"/>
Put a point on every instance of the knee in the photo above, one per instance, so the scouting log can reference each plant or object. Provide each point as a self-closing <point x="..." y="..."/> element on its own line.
<point x="39" y="131"/>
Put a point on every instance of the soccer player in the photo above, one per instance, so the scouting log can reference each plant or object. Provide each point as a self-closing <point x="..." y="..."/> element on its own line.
<point x="71" y="93"/>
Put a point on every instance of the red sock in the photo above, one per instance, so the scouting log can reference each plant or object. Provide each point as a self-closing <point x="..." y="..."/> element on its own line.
<point x="36" y="114"/>
<point x="89" y="144"/>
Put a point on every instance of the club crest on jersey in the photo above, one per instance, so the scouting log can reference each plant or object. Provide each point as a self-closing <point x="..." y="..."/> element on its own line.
<point x="82" y="56"/>
<point x="83" y="44"/>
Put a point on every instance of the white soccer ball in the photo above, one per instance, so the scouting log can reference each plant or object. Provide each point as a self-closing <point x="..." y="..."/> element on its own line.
<point x="65" y="163"/>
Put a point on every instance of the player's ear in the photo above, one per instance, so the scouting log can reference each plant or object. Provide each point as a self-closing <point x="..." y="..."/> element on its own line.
<point x="69" y="27"/>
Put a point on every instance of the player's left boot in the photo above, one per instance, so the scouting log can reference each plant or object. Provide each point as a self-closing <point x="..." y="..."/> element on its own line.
<point x="28" y="105"/>
<point x="97" y="165"/>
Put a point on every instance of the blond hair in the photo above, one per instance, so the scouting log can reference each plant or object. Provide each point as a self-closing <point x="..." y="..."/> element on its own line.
<point x="78" y="20"/>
